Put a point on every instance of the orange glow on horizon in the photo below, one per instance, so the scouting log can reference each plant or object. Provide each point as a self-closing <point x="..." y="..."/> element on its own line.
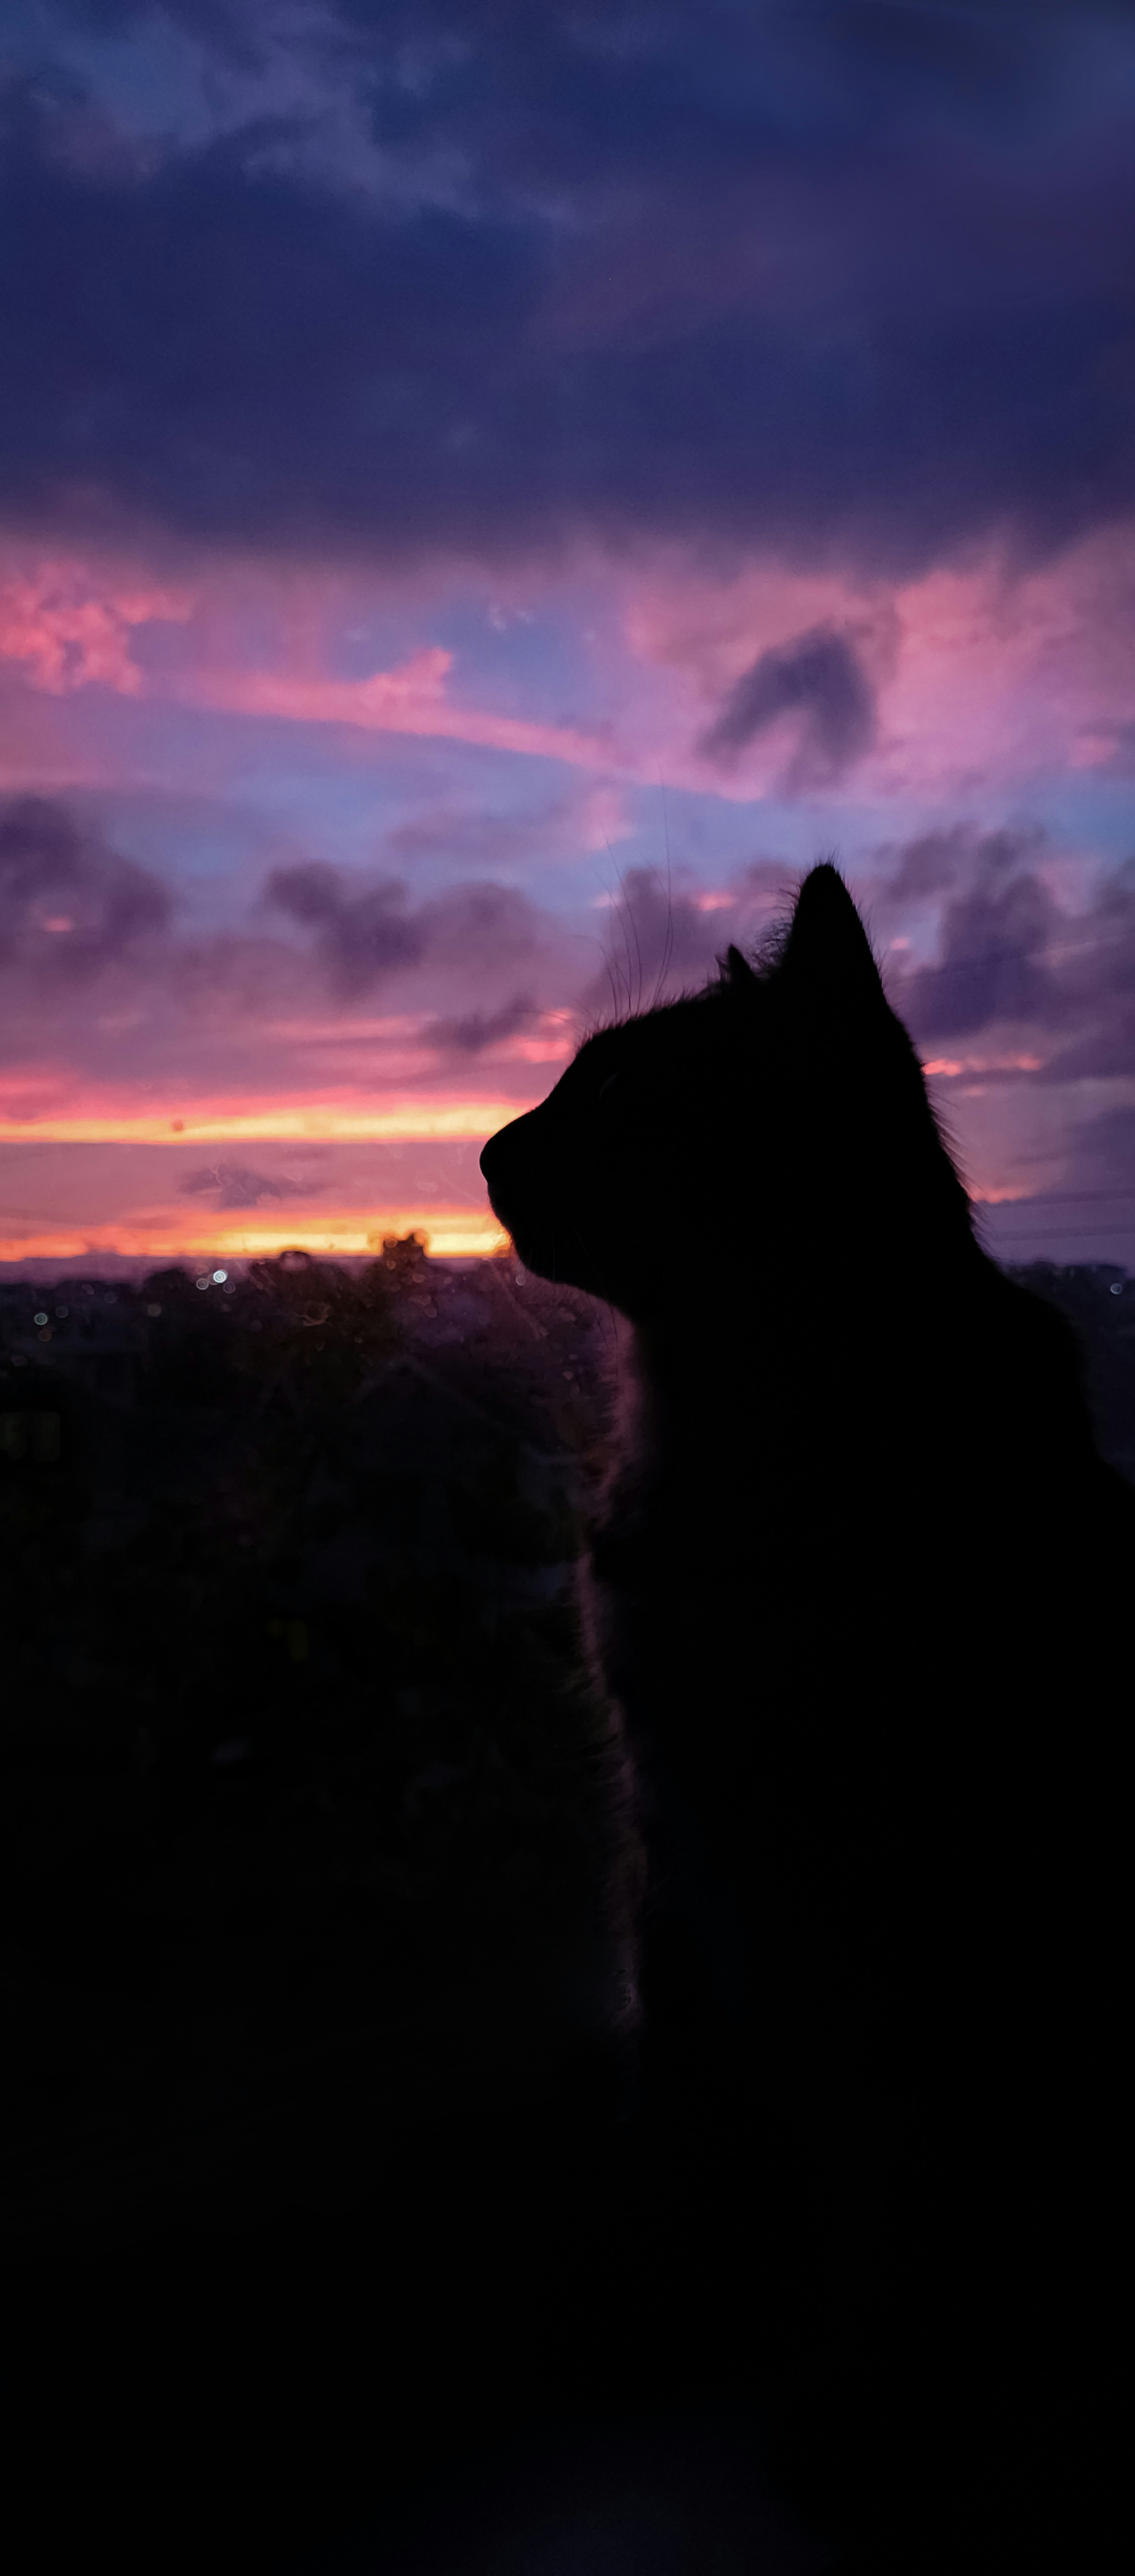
<point x="447" y="1232"/>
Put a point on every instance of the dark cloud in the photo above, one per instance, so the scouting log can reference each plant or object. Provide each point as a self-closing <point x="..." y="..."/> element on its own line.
<point x="231" y="1185"/>
<point x="992" y="965"/>
<point x="930" y="864"/>
<point x="851" y="278"/>
<point x="477" y="1030"/>
<point x="362" y="933"/>
<point x="359" y="935"/>
<point x="125" y="986"/>
<point x="481" y="924"/>
<point x="817" y="677"/>
<point x="997" y="932"/>
<point x="959" y="854"/>
<point x="69" y="905"/>
<point x="1010" y="954"/>
<point x="1097" y="977"/>
<point x="77" y="919"/>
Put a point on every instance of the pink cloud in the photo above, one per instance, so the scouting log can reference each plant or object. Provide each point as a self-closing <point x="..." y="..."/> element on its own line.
<point x="950" y="1066"/>
<point x="983" y="674"/>
<point x="406" y="699"/>
<point x="70" y="624"/>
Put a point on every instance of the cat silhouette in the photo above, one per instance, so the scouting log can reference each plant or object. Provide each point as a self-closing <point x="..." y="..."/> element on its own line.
<point x="859" y="1588"/>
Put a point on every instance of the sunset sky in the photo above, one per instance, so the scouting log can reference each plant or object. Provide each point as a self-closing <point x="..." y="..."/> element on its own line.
<point x="480" y="482"/>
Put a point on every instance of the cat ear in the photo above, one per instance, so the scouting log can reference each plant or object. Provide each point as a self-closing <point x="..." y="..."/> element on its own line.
<point x="827" y="946"/>
<point x="735" y="969"/>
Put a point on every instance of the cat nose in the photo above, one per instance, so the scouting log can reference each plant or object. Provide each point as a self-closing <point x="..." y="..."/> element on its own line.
<point x="501" y="1149"/>
<point x="498" y="1166"/>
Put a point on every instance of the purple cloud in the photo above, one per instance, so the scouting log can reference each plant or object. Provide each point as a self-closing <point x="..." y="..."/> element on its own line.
<point x="849" y="280"/>
<point x="69" y="904"/>
<point x="363" y="933"/>
<point x="818" y="677"/>
<point x="359" y="935"/>
<point x="475" y="1030"/>
<point x="481" y="924"/>
<point x="232" y="1185"/>
<point x="1010" y="954"/>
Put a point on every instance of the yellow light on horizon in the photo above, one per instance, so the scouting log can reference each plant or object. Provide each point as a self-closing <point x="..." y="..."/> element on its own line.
<point x="412" y="1122"/>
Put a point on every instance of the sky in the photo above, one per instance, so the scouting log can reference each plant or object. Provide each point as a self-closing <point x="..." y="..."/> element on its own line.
<point x="491" y="493"/>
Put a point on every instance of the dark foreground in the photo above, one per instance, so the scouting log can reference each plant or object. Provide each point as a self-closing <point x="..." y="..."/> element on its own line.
<point x="331" y="2239"/>
<point x="481" y="2370"/>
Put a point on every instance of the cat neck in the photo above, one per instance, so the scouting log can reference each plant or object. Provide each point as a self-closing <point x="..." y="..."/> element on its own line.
<point x="721" y="1308"/>
<point x="809" y="1361"/>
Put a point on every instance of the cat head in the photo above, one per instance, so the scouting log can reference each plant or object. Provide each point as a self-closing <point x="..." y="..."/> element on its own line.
<point x="769" y="1115"/>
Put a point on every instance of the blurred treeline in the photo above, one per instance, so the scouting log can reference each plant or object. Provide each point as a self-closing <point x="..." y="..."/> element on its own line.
<point x="305" y="1781"/>
<point x="306" y="1787"/>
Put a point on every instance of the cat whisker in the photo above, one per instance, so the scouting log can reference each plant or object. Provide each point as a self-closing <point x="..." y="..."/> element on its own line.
<point x="668" y="945"/>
